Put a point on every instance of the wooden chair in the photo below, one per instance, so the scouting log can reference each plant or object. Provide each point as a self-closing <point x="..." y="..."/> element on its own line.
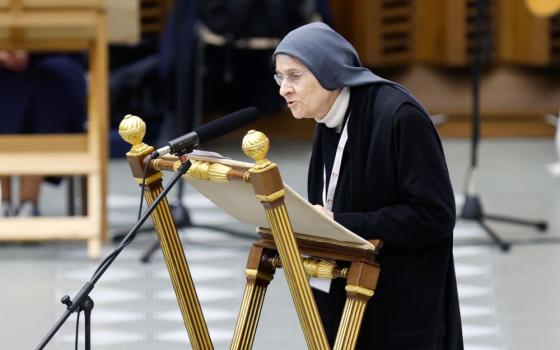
<point x="61" y="26"/>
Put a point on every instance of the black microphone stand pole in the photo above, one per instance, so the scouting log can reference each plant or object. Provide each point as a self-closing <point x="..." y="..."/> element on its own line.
<point x="472" y="208"/>
<point x="82" y="301"/>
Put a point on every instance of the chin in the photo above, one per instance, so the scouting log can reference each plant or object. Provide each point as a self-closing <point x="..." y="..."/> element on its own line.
<point x="298" y="114"/>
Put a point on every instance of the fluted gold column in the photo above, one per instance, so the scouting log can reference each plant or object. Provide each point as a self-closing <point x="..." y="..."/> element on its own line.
<point x="350" y="322"/>
<point x="269" y="190"/>
<point x="179" y="271"/>
<point x="132" y="129"/>
<point x="259" y="274"/>
<point x="361" y="283"/>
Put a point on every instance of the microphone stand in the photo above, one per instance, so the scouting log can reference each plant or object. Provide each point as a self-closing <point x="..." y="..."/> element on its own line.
<point x="82" y="301"/>
<point x="472" y="208"/>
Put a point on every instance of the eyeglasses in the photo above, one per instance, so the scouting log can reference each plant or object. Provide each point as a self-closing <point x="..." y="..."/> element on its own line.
<point x="291" y="78"/>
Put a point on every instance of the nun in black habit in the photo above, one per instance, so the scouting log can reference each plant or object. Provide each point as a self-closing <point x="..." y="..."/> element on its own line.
<point x="377" y="168"/>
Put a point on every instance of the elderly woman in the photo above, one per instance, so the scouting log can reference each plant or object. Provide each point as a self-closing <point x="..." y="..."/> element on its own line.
<point x="377" y="168"/>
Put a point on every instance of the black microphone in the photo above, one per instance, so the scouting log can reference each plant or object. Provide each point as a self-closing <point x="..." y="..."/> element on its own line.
<point x="209" y="131"/>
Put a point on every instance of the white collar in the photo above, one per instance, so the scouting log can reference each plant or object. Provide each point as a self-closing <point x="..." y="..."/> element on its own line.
<point x="335" y="116"/>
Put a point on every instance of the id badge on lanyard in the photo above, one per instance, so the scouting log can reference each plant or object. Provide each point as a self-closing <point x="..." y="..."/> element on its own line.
<point x="328" y="193"/>
<point x="322" y="284"/>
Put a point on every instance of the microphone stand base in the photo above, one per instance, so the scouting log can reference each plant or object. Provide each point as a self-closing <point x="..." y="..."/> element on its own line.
<point x="472" y="210"/>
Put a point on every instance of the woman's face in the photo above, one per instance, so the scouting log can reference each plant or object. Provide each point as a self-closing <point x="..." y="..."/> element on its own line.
<point x="306" y="98"/>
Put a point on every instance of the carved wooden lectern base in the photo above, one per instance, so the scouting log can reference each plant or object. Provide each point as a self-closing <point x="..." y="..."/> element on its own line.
<point x="278" y="247"/>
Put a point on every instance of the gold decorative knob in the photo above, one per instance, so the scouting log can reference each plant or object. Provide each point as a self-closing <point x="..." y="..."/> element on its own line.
<point x="255" y="145"/>
<point x="132" y="129"/>
<point x="317" y="268"/>
<point x="323" y="269"/>
<point x="214" y="172"/>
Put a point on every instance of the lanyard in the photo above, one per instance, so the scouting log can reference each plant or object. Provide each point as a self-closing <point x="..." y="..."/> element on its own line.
<point x="328" y="194"/>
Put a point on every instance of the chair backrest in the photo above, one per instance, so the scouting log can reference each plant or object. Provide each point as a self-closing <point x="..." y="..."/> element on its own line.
<point x="41" y="24"/>
<point x="24" y="20"/>
<point x="51" y="4"/>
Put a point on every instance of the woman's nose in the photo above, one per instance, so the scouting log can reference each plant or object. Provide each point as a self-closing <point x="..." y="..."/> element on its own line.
<point x="285" y="88"/>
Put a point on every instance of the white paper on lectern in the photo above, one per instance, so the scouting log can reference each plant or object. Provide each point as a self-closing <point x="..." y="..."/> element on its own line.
<point x="238" y="199"/>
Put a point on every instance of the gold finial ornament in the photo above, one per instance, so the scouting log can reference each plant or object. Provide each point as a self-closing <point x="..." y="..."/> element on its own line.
<point x="132" y="129"/>
<point x="255" y="145"/>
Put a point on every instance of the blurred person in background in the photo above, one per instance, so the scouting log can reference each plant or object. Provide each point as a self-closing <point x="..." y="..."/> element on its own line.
<point x="39" y="94"/>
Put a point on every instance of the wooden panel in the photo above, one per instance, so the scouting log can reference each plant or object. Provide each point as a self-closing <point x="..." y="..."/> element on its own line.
<point x="524" y="38"/>
<point x="554" y="31"/>
<point x="380" y="30"/>
<point x="528" y="39"/>
<point x="445" y="31"/>
<point x="457" y="125"/>
<point x="429" y="33"/>
<point x="506" y="28"/>
<point x="456" y="32"/>
<point x="513" y="101"/>
<point x="389" y="32"/>
<point x="497" y="126"/>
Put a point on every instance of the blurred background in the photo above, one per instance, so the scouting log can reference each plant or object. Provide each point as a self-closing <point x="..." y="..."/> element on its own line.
<point x="70" y="70"/>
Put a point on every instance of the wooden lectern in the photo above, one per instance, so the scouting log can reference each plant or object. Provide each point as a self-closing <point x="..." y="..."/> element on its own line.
<point x="302" y="255"/>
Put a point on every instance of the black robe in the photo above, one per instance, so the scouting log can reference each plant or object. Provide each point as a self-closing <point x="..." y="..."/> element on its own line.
<point x="394" y="185"/>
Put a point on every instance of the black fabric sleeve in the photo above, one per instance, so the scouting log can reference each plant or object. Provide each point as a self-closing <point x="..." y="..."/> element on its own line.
<point x="425" y="210"/>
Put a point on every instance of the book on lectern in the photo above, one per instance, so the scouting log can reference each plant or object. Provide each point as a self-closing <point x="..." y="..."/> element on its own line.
<point x="237" y="198"/>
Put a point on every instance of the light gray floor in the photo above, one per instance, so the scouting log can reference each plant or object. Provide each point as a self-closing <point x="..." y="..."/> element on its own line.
<point x="508" y="301"/>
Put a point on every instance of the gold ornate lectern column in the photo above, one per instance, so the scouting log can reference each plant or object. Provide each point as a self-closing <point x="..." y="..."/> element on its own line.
<point x="259" y="274"/>
<point x="269" y="190"/>
<point x="132" y="130"/>
<point x="360" y="285"/>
